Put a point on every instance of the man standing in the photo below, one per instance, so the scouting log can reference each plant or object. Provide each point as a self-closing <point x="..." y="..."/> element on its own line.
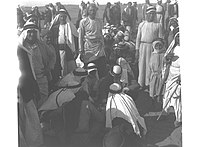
<point x="115" y="14"/>
<point x="166" y="13"/>
<point x="144" y="7"/>
<point x="30" y="133"/>
<point x="127" y="17"/>
<point x="106" y="14"/>
<point x="159" y="12"/>
<point x="148" y="30"/>
<point x="63" y="36"/>
<point x="52" y="9"/>
<point x="172" y="95"/>
<point x="135" y="18"/>
<point x="47" y="16"/>
<point x="82" y="13"/>
<point x="91" y="42"/>
<point x="42" y="58"/>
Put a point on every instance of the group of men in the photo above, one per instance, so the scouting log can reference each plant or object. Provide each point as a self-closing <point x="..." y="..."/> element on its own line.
<point x="66" y="50"/>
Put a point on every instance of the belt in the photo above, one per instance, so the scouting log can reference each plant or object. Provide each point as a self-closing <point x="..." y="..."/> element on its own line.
<point x="62" y="47"/>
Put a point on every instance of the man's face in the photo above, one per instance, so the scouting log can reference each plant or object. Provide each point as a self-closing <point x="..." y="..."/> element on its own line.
<point x="158" y="46"/>
<point x="62" y="18"/>
<point x="150" y="16"/>
<point x="92" y="11"/>
<point x="32" y="35"/>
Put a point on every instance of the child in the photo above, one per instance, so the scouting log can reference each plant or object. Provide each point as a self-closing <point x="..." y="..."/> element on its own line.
<point x="156" y="63"/>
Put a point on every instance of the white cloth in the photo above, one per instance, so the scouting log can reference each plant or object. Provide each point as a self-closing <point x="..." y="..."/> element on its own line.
<point x="173" y="89"/>
<point x="125" y="69"/>
<point x="62" y="34"/>
<point x="70" y="30"/>
<point x="79" y="63"/>
<point x="122" y="105"/>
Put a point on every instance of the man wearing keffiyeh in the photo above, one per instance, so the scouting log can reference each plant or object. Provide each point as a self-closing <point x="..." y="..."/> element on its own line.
<point x="34" y="67"/>
<point x="63" y="36"/>
<point x="41" y="57"/>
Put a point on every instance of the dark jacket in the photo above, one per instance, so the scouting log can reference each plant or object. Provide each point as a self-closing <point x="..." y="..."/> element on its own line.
<point x="27" y="88"/>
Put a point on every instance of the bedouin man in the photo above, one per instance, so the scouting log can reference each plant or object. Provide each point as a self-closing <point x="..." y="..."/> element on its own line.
<point x="91" y="41"/>
<point x="41" y="57"/>
<point x="160" y="12"/>
<point x="148" y="30"/>
<point x="172" y="95"/>
<point x="63" y="36"/>
<point x="30" y="133"/>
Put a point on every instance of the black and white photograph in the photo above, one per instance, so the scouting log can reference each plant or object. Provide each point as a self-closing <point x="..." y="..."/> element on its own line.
<point x="100" y="73"/>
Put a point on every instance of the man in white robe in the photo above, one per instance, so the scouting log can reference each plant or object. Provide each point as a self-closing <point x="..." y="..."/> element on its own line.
<point x="121" y="105"/>
<point x="172" y="96"/>
<point x="148" y="30"/>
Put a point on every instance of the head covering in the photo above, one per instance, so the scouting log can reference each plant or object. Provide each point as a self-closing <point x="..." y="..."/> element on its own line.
<point x="116" y="70"/>
<point x="58" y="3"/>
<point x="70" y="79"/>
<point x="28" y="26"/>
<point x="173" y="22"/>
<point x="62" y="11"/>
<point x="122" y="105"/>
<point x="156" y="41"/>
<point x="55" y="21"/>
<point x="115" y="88"/>
<point x="150" y="9"/>
<point x="91" y="67"/>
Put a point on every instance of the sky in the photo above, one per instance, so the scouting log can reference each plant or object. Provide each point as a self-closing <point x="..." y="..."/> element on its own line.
<point x="44" y="2"/>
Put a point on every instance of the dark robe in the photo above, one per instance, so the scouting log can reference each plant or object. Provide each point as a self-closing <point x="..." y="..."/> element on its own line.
<point x="115" y="15"/>
<point x="27" y="88"/>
